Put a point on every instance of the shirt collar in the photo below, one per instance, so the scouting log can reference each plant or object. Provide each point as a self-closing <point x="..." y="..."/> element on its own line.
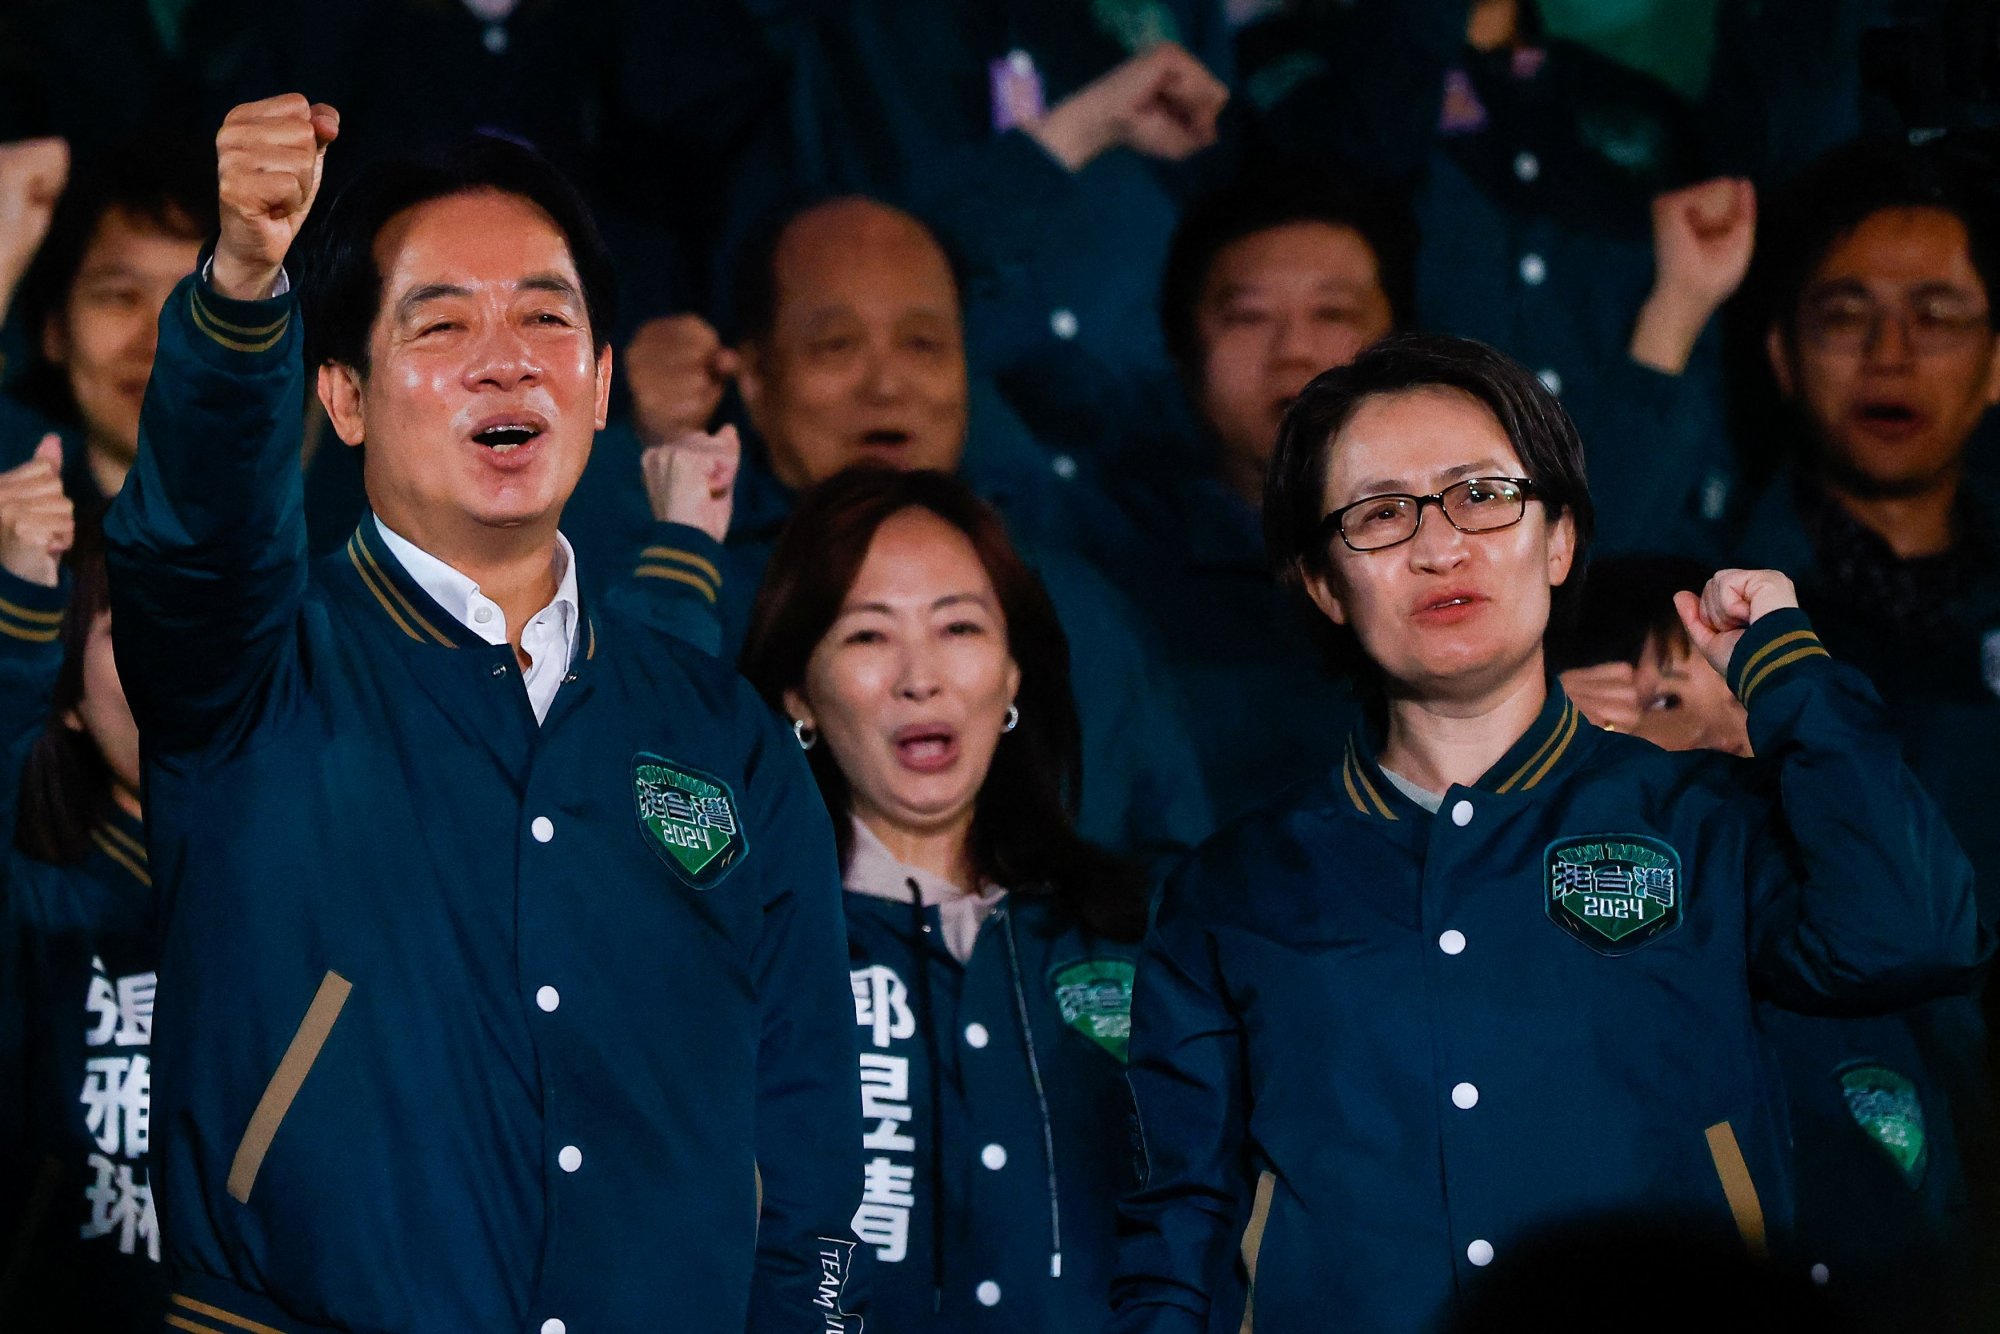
<point x="460" y="596"/>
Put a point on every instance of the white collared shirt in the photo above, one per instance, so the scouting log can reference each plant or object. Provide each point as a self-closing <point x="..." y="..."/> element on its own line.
<point x="549" y="639"/>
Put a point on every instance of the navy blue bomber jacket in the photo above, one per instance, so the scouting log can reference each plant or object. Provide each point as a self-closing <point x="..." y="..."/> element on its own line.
<point x="462" y="1023"/>
<point x="1442" y="1033"/>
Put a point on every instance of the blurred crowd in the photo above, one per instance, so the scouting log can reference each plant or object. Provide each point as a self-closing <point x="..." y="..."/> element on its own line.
<point x="1084" y="257"/>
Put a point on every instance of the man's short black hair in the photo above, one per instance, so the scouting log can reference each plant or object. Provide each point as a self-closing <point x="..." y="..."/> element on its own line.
<point x="754" y="281"/>
<point x="1279" y="197"/>
<point x="1541" y="433"/>
<point x="341" y="287"/>
<point x="163" y="185"/>
<point x="1845" y="187"/>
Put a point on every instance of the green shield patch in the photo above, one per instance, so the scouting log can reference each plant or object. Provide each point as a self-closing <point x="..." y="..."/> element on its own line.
<point x="1614" y="892"/>
<point x="1095" y="997"/>
<point x="689" y="818"/>
<point x="1886" y="1107"/>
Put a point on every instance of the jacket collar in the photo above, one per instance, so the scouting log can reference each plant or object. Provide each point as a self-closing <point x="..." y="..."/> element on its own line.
<point x="1542" y="750"/>
<point x="388" y="589"/>
<point x="118" y="843"/>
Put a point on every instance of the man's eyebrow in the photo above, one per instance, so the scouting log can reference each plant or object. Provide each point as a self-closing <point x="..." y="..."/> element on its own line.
<point x="551" y="282"/>
<point x="418" y="296"/>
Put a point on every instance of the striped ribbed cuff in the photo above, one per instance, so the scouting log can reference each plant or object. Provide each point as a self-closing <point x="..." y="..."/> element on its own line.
<point x="1779" y="646"/>
<point x="684" y="555"/>
<point x="31" y="613"/>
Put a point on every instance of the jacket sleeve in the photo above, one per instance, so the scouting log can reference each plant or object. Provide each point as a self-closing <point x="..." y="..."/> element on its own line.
<point x="682" y="584"/>
<point x="809" y="1091"/>
<point x="1178" y="1232"/>
<point x="1860" y="898"/>
<point x="206" y="543"/>
<point x="31" y="655"/>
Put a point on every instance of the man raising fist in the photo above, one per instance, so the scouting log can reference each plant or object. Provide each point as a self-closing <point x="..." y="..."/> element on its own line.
<point x="509" y="993"/>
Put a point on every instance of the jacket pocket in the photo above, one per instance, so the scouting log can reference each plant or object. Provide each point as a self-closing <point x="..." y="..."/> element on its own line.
<point x="285" y="1083"/>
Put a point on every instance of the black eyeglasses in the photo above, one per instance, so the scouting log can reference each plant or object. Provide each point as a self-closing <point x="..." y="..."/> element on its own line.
<point x="1475" y="505"/>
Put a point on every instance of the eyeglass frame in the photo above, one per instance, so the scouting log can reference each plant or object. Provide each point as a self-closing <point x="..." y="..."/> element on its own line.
<point x="1330" y="526"/>
<point x="1938" y="336"/>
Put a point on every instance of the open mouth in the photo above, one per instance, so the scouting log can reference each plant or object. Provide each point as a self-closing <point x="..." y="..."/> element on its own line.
<point x="885" y="438"/>
<point x="1449" y="606"/>
<point x="926" y="747"/>
<point x="509" y="436"/>
<point x="1888" y="413"/>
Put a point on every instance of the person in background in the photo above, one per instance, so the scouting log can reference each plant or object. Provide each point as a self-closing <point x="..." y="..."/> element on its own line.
<point x="1268" y="282"/>
<point x="77" y="949"/>
<point x="1630" y="666"/>
<point x="1570" y="217"/>
<point x="1397" y="991"/>
<point x="1052" y="146"/>
<point x="125" y="231"/>
<point x="1876" y="292"/>
<point x="853" y="353"/>
<point x="991" y="947"/>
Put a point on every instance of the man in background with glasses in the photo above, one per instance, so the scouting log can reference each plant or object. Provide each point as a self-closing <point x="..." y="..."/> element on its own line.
<point x="1879" y="270"/>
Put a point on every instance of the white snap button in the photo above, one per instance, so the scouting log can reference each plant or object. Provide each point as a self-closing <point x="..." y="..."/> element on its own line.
<point x="1452" y="942"/>
<point x="1480" y="1253"/>
<point x="1461" y="813"/>
<point x="554" y="1326"/>
<point x="1550" y="381"/>
<point x="1464" y="1097"/>
<point x="988" y="1293"/>
<point x="1527" y="166"/>
<point x="1533" y="270"/>
<point x="482" y="614"/>
<point x="548" y="998"/>
<point x="495" y="38"/>
<point x="570" y="1158"/>
<point x="1062" y="323"/>
<point x="976" y="1035"/>
<point x="1063" y="466"/>
<point x="994" y="1156"/>
<point x="1820" y="1274"/>
<point x="544" y="829"/>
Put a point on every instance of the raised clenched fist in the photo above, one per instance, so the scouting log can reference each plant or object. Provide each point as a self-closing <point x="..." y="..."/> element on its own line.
<point x="1732" y="602"/>
<point x="32" y="173"/>
<point x="692" y="480"/>
<point x="268" y="160"/>
<point x="677" y="369"/>
<point x="1162" y="103"/>
<point x="37" y="521"/>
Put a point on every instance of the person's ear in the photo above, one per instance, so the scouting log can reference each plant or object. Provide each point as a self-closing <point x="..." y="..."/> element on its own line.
<point x="603" y="410"/>
<point x="55" y="341"/>
<point x="1562" y="548"/>
<point x="1013" y="678"/>
<point x="1778" y="350"/>
<point x="340" y="394"/>
<point x="72" y="720"/>
<point x="1319" y="587"/>
<point x="797" y="709"/>
<point x="750" y="372"/>
<point x="1993" y="375"/>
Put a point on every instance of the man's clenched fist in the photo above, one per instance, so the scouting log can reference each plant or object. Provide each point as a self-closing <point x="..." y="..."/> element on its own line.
<point x="1732" y="602"/>
<point x="692" y="480"/>
<point x="32" y="173"/>
<point x="37" y="521"/>
<point x="676" y="368"/>
<point x="268" y="159"/>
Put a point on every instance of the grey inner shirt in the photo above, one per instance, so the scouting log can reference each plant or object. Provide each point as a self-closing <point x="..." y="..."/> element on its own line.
<point x="1424" y="797"/>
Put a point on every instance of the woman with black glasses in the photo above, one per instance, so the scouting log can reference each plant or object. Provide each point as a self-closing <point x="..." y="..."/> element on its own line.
<point x="1493" y="973"/>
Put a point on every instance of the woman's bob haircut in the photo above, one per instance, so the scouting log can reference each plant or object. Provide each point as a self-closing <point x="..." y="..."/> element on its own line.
<point x="1540" y="432"/>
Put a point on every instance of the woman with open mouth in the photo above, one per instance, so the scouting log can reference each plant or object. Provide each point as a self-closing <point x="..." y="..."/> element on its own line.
<point x="991" y="947"/>
<point x="1492" y="975"/>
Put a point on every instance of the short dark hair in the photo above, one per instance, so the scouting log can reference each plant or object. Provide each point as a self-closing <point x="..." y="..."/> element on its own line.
<point x="1023" y="827"/>
<point x="340" y="289"/>
<point x="1540" y="432"/>
<point x="1279" y="197"/>
<point x="1845" y="187"/>
<point x="65" y="782"/>
<point x="1629" y="601"/>
<point x="753" y="305"/>
<point x="164" y="185"/>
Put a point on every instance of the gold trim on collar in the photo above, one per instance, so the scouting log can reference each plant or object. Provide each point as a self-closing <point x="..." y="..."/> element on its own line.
<point x="1353" y="769"/>
<point x="384" y="588"/>
<point x="1557" y="741"/>
<point x="590" y="649"/>
<point x="118" y="854"/>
